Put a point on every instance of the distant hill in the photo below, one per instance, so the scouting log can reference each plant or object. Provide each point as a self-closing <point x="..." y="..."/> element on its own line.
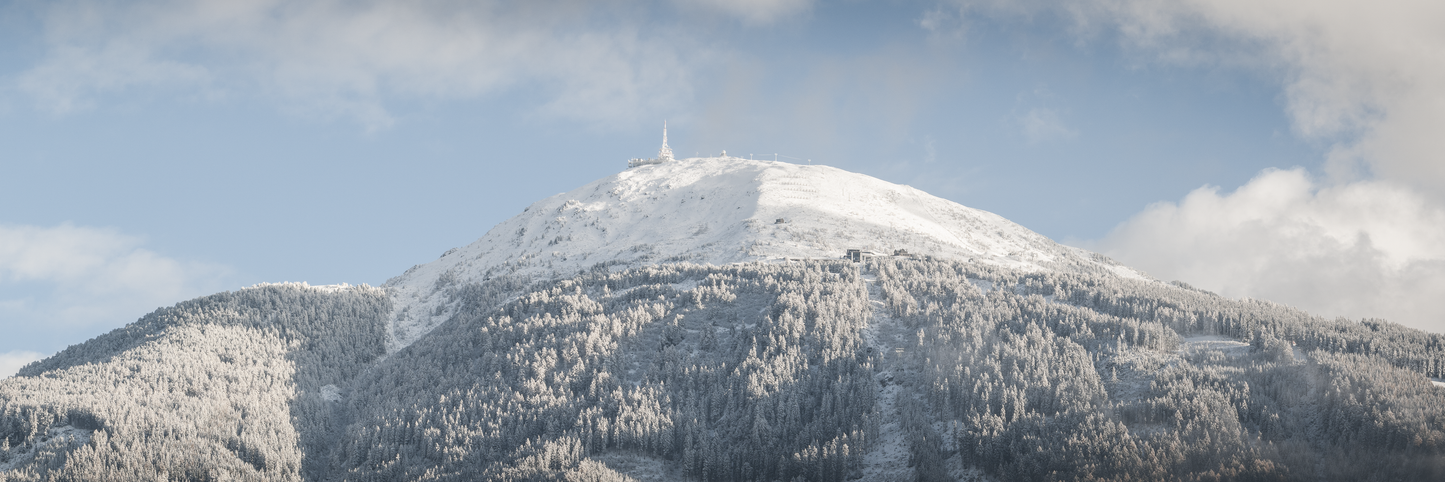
<point x="696" y="320"/>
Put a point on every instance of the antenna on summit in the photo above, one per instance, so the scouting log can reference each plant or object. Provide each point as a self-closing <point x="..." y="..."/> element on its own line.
<point x="663" y="155"/>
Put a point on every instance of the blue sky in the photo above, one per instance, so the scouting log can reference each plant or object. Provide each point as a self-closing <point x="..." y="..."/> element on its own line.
<point x="154" y="150"/>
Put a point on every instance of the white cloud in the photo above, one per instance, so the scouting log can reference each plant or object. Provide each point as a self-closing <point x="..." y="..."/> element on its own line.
<point x="11" y="362"/>
<point x="73" y="279"/>
<point x="341" y="58"/>
<point x="1366" y="79"/>
<point x="1364" y="249"/>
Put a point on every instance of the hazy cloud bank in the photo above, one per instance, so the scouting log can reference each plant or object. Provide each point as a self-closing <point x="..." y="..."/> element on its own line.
<point x="1363" y="249"/>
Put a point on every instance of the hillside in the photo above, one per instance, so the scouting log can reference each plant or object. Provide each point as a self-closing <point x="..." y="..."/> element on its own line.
<point x="720" y="211"/>
<point x="660" y="324"/>
<point x="232" y="385"/>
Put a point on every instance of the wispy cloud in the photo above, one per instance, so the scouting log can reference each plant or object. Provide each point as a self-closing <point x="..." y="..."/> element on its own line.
<point x="74" y="279"/>
<point x="1042" y="125"/>
<point x="752" y="11"/>
<point x="349" y="59"/>
<point x="61" y="83"/>
<point x="943" y="24"/>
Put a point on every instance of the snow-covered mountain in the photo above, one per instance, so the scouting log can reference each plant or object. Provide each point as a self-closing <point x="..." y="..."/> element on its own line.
<point x="692" y="320"/>
<point x="723" y="210"/>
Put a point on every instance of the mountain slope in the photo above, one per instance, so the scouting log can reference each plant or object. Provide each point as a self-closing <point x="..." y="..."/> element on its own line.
<point x="719" y="211"/>
<point x="895" y="369"/>
<point x="230" y="386"/>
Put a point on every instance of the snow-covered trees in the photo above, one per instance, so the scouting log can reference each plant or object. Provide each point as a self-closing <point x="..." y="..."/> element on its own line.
<point x="750" y="372"/>
<point x="220" y="387"/>
<point x="791" y="371"/>
<point x="1067" y="376"/>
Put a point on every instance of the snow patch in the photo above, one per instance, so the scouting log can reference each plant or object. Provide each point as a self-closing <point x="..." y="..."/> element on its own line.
<point x="1129" y="373"/>
<point x="640" y="467"/>
<point x="64" y="435"/>
<point x="888" y="459"/>
<point x="1213" y="342"/>
<point x="1439" y="382"/>
<point x="330" y="393"/>
<point x="685" y="286"/>
<point x="1130" y="273"/>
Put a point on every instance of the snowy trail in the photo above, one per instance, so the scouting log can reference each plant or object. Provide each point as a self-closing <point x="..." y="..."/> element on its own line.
<point x="888" y="459"/>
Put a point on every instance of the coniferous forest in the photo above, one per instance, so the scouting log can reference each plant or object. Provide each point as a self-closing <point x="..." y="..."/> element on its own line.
<point x="892" y="369"/>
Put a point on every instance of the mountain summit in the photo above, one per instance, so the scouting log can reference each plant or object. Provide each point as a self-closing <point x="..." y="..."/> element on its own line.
<point x="723" y="210"/>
